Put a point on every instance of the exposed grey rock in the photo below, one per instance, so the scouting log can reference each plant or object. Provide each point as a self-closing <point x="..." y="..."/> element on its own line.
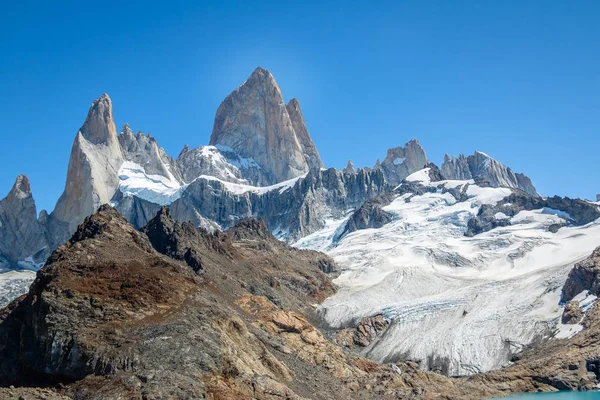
<point x="456" y="168"/>
<point x="400" y="162"/>
<point x="22" y="236"/>
<point x="289" y="213"/>
<point x="580" y="212"/>
<point x="585" y="275"/>
<point x="369" y="215"/>
<point x="308" y="147"/>
<point x="220" y="162"/>
<point x="143" y="150"/>
<point x="482" y="166"/>
<point x="349" y="168"/>
<point x="92" y="177"/>
<point x="435" y="175"/>
<point x="254" y="121"/>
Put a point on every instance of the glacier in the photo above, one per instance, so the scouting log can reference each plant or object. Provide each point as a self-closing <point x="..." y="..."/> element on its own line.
<point x="458" y="305"/>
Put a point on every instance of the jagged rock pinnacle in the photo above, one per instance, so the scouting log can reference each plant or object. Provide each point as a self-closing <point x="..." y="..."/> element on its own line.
<point x="255" y="122"/>
<point x="99" y="126"/>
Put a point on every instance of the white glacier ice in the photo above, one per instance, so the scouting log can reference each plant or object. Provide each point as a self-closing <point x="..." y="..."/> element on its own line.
<point x="466" y="303"/>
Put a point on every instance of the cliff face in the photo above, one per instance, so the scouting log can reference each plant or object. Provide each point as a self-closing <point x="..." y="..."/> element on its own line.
<point x="483" y="167"/>
<point x="92" y="176"/>
<point x="254" y="121"/>
<point x="400" y="162"/>
<point x="21" y="234"/>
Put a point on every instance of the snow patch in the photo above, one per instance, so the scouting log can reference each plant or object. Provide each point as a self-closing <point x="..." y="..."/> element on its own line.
<point x="420" y="176"/>
<point x="134" y="181"/>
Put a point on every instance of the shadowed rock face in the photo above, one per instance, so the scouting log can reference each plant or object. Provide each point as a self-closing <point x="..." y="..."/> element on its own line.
<point x="21" y="234"/>
<point x="291" y="213"/>
<point x="585" y="275"/>
<point x="308" y="147"/>
<point x="254" y="121"/>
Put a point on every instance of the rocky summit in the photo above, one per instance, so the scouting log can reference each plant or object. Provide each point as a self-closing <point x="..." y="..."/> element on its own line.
<point x="255" y="122"/>
<point x="248" y="269"/>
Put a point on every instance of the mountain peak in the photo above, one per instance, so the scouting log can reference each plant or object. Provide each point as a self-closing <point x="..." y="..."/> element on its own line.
<point x="22" y="186"/>
<point x="99" y="126"/>
<point x="255" y="122"/>
<point x="400" y="161"/>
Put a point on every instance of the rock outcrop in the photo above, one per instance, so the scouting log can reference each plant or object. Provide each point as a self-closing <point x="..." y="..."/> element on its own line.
<point x="92" y="176"/>
<point x="482" y="166"/>
<point x="291" y="212"/>
<point x="255" y="123"/>
<point x="219" y="162"/>
<point x="585" y="275"/>
<point x="369" y="215"/>
<point x="23" y="238"/>
<point x="579" y="212"/>
<point x="572" y="313"/>
<point x="364" y="333"/>
<point x="456" y="168"/>
<point x="349" y="168"/>
<point x="143" y="150"/>
<point x="400" y="162"/>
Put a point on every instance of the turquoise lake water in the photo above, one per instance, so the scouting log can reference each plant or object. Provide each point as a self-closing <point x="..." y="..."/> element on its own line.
<point x="558" y="396"/>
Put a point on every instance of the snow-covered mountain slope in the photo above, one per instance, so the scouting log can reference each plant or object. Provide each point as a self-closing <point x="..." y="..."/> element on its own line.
<point x="218" y="161"/>
<point x="457" y="304"/>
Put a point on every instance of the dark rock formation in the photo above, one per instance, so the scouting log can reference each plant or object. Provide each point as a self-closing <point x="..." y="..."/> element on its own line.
<point x="22" y="235"/>
<point x="435" y="175"/>
<point x="367" y="329"/>
<point x="291" y="213"/>
<point x="370" y="214"/>
<point x="580" y="212"/>
<point x="585" y="275"/>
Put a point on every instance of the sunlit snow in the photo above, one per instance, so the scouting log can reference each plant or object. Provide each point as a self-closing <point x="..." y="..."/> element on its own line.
<point x="469" y="301"/>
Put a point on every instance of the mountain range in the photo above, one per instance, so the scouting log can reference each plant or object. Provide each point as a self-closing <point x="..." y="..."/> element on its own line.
<point x="261" y="161"/>
<point x="450" y="271"/>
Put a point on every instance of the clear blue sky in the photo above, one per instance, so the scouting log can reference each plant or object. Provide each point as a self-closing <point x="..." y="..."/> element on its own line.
<point x="518" y="80"/>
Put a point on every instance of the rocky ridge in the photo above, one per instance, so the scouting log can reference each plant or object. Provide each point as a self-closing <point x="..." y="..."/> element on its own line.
<point x="482" y="166"/>
<point x="257" y="140"/>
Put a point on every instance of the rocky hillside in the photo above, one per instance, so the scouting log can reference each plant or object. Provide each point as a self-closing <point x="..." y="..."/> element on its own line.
<point x="175" y="312"/>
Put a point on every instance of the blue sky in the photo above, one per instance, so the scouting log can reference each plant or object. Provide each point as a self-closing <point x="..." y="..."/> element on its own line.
<point x="518" y="80"/>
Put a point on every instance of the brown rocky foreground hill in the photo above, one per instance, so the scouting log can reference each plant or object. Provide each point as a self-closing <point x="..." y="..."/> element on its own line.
<point x="172" y="312"/>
